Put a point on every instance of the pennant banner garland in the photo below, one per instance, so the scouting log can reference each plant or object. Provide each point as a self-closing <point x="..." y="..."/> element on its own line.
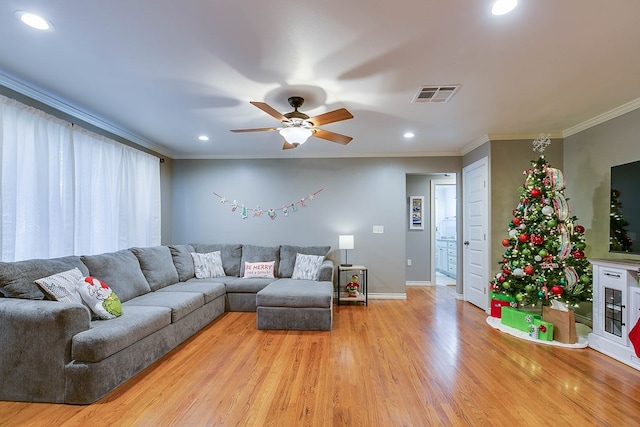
<point x="271" y="213"/>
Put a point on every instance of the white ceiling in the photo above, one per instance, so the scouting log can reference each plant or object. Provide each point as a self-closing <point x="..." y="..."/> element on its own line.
<point x="165" y="71"/>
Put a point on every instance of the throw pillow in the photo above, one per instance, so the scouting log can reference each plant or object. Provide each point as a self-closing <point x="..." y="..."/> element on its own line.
<point x="62" y="286"/>
<point x="207" y="265"/>
<point x="102" y="301"/>
<point x="259" y="269"/>
<point x="307" y="267"/>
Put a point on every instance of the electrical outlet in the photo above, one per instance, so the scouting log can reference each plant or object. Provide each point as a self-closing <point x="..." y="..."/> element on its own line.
<point x="408" y="262"/>
<point x="378" y="229"/>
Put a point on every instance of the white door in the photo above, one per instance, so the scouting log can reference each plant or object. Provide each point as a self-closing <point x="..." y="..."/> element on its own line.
<point x="475" y="213"/>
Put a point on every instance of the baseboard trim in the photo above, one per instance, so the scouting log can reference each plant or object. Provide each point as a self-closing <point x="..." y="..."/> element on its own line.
<point x="418" y="283"/>
<point x="402" y="295"/>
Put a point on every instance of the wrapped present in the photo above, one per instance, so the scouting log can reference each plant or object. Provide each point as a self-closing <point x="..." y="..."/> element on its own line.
<point x="564" y="324"/>
<point x="496" y="307"/>
<point x="545" y="330"/>
<point x="518" y="319"/>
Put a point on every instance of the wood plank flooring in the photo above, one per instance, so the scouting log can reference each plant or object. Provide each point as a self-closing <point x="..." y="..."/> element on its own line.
<point x="430" y="360"/>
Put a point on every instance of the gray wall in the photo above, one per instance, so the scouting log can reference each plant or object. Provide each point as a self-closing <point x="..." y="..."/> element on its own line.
<point x="357" y="193"/>
<point x="588" y="157"/>
<point x="418" y="243"/>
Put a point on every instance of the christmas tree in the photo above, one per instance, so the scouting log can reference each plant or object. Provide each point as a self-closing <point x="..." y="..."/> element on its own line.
<point x="544" y="258"/>
<point x="619" y="240"/>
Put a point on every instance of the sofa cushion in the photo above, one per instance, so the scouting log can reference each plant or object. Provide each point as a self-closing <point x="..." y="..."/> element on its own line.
<point x="288" y="256"/>
<point x="17" y="279"/>
<point x="231" y="255"/>
<point x="62" y="286"/>
<point x="251" y="286"/>
<point x="210" y="289"/>
<point x="100" y="298"/>
<point x="121" y="270"/>
<point x="307" y="267"/>
<point x="252" y="253"/>
<point x="207" y="265"/>
<point x="180" y="303"/>
<point x="183" y="261"/>
<point x="296" y="293"/>
<point x="107" y="337"/>
<point x="157" y="266"/>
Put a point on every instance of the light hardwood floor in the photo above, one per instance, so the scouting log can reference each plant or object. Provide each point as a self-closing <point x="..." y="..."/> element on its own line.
<point x="429" y="360"/>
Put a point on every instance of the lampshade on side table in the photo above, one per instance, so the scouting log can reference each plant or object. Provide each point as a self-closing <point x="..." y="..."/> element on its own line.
<point x="345" y="242"/>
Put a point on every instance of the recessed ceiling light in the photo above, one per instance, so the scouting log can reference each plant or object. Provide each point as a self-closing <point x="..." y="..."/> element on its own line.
<point x="34" y="21"/>
<point x="203" y="138"/>
<point x="501" y="7"/>
<point x="409" y="135"/>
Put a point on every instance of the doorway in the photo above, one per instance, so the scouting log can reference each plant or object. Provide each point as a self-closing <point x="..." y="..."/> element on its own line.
<point x="444" y="231"/>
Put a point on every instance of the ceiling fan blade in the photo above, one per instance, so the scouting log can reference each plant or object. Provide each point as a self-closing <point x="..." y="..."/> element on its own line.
<point x="288" y="146"/>
<point x="269" y="110"/>
<point x="332" y="136"/>
<point x="331" y="117"/>
<point x="254" y="130"/>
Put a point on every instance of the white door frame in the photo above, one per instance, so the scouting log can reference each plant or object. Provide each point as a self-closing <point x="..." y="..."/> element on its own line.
<point x="432" y="202"/>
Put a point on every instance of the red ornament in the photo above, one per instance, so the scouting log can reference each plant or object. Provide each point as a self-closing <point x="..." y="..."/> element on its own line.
<point x="579" y="229"/>
<point x="537" y="239"/>
<point x="501" y="279"/>
<point x="516" y="221"/>
<point x="506" y="271"/>
<point x="557" y="290"/>
<point x="525" y="200"/>
<point x="578" y="254"/>
<point x="506" y="243"/>
<point x="524" y="237"/>
<point x="529" y="270"/>
<point x="535" y="192"/>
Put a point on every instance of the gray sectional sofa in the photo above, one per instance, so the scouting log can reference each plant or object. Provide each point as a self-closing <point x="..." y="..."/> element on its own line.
<point x="52" y="351"/>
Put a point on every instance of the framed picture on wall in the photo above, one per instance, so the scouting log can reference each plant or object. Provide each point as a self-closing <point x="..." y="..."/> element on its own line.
<point x="416" y="213"/>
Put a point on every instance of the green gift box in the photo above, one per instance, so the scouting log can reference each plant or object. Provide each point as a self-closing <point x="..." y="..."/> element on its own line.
<point x="502" y="297"/>
<point x="545" y="330"/>
<point x="518" y="319"/>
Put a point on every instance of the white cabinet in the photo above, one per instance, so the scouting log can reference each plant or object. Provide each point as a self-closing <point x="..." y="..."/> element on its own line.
<point x="616" y="305"/>
<point x="446" y="257"/>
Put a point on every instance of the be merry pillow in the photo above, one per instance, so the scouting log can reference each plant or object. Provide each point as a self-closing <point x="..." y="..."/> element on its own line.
<point x="100" y="298"/>
<point x="259" y="269"/>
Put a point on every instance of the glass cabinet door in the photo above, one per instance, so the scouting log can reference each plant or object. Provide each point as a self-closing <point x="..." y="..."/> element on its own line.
<point x="613" y="311"/>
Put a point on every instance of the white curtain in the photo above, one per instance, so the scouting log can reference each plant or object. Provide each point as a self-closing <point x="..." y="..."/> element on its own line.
<point x="68" y="191"/>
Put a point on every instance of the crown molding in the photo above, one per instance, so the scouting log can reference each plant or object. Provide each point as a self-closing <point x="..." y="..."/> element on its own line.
<point x="611" y="114"/>
<point x="71" y="110"/>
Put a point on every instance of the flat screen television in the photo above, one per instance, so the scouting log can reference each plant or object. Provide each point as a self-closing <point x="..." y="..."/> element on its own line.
<point x="624" y="225"/>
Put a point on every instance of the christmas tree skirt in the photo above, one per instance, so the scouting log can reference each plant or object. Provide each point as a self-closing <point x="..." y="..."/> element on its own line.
<point x="582" y="330"/>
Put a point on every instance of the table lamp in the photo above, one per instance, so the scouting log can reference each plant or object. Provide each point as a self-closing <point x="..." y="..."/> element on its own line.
<point x="345" y="242"/>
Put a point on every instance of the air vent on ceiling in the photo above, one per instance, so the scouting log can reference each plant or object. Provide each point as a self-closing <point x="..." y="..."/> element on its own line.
<point x="436" y="93"/>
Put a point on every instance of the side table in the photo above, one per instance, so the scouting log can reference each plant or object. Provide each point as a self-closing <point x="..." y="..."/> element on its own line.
<point x="347" y="271"/>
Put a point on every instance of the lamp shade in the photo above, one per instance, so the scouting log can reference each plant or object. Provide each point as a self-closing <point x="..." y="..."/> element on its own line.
<point x="345" y="241"/>
<point x="296" y="135"/>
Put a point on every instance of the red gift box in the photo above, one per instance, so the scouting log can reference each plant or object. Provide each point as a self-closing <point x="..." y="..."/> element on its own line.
<point x="496" y="307"/>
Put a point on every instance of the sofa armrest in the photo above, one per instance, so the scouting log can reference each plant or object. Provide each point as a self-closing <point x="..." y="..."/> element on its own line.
<point x="35" y="346"/>
<point x="325" y="273"/>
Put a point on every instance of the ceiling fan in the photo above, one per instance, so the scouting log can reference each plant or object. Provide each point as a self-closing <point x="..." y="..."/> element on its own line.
<point x="297" y="127"/>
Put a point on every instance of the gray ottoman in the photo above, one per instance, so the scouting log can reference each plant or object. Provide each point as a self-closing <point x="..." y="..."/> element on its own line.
<point x="305" y="305"/>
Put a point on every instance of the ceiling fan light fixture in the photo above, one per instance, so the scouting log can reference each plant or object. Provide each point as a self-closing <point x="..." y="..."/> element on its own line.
<point x="296" y="135"/>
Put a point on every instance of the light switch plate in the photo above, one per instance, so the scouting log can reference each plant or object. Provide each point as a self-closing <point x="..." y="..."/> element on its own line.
<point x="378" y="229"/>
